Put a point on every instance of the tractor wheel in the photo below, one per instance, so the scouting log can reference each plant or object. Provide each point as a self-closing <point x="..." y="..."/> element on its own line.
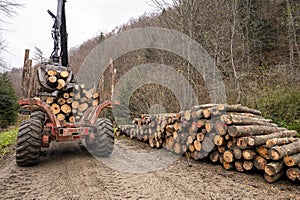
<point x="103" y="144"/>
<point x="38" y="115"/>
<point x="29" y="141"/>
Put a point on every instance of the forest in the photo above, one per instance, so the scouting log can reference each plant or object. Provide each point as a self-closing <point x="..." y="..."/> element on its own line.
<point x="253" y="43"/>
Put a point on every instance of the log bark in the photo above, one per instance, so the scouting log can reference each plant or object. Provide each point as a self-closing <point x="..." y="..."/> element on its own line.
<point x="72" y="119"/>
<point x="61" y="83"/>
<point x="228" y="156"/>
<point x="208" y="145"/>
<point x="219" y="140"/>
<point x="214" y="156"/>
<point x="61" y="117"/>
<point x="231" y="144"/>
<point x="82" y="107"/>
<point x="248" y="165"/>
<point x="187" y="115"/>
<point x="64" y="74"/>
<point x="237" y="153"/>
<point x="260" y="163"/>
<point x="278" y="152"/>
<point x="50" y="100"/>
<point x="207" y="113"/>
<point x="232" y="119"/>
<point x="262" y="139"/>
<point x="238" y="108"/>
<point x="249" y="154"/>
<point x="251" y="130"/>
<point x="204" y="106"/>
<point x="280" y="141"/>
<point x="66" y="109"/>
<point x="197" y="145"/>
<point x="55" y="108"/>
<point x="273" y="168"/>
<point x="227" y="165"/>
<point x="209" y="126"/>
<point x="292" y="160"/>
<point x="293" y="174"/>
<point x="61" y="101"/>
<point x="221" y="128"/>
<point x="69" y="101"/>
<point x="263" y="151"/>
<point x="221" y="149"/>
<point x="52" y="80"/>
<point x="242" y="142"/>
<point x="191" y="148"/>
<point x="75" y="104"/>
<point x="272" y="179"/>
<point x="239" y="166"/>
<point x="197" y="114"/>
<point x="197" y="155"/>
<point x="51" y="72"/>
<point x="200" y="137"/>
<point x="66" y="95"/>
<point x="177" y="148"/>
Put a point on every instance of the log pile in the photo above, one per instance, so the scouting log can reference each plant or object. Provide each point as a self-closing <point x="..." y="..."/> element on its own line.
<point x="235" y="136"/>
<point x="69" y="101"/>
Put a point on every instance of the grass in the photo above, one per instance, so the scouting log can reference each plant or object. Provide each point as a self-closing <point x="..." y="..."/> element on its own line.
<point x="7" y="140"/>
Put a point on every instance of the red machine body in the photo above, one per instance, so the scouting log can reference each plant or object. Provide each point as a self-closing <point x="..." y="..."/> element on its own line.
<point x="54" y="130"/>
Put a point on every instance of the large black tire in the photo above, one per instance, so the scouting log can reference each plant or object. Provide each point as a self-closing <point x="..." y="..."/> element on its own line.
<point x="38" y="115"/>
<point x="28" y="147"/>
<point x="103" y="144"/>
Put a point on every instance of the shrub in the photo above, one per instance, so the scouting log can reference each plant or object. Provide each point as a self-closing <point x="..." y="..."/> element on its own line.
<point x="8" y="102"/>
<point x="282" y="104"/>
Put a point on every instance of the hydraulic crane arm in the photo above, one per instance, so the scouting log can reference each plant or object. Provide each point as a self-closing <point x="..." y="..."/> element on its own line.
<point x="60" y="35"/>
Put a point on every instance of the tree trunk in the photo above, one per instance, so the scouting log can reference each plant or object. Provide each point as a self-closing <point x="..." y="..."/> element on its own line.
<point x="238" y="108"/>
<point x="239" y="166"/>
<point x="279" y="152"/>
<point x="242" y="142"/>
<point x="228" y="156"/>
<point x="273" y="168"/>
<point x="272" y="179"/>
<point x="251" y="130"/>
<point x="232" y="119"/>
<point x="214" y="156"/>
<point x="249" y="154"/>
<point x="221" y="128"/>
<point x="248" y="165"/>
<point x="260" y="163"/>
<point x="292" y="160"/>
<point x="293" y="174"/>
<point x="280" y="141"/>
<point x="263" y="151"/>
<point x="262" y="139"/>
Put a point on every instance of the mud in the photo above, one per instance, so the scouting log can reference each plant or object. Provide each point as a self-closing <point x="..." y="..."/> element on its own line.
<point x="68" y="171"/>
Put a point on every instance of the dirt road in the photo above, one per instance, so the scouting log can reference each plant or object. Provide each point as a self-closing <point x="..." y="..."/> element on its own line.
<point x="69" y="172"/>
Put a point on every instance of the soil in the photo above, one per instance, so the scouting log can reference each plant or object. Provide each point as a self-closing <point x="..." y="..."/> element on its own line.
<point x="68" y="171"/>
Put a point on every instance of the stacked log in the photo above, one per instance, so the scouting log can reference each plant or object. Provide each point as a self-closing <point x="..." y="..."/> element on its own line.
<point x="235" y="136"/>
<point x="68" y="102"/>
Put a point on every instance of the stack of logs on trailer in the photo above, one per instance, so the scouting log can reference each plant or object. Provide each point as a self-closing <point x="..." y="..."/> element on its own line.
<point x="70" y="101"/>
<point x="235" y="136"/>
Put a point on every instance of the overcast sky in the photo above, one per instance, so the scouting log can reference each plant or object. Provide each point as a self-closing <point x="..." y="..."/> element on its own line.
<point x="85" y="19"/>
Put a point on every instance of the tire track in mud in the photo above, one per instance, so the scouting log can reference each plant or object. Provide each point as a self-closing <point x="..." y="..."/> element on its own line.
<point x="12" y="182"/>
<point x="66" y="171"/>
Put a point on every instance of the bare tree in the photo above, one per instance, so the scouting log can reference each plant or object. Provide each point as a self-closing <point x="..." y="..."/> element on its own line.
<point x="7" y="9"/>
<point x="292" y="34"/>
<point x="38" y="55"/>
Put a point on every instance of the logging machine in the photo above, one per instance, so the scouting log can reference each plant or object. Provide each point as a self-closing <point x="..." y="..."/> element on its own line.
<point x="68" y="111"/>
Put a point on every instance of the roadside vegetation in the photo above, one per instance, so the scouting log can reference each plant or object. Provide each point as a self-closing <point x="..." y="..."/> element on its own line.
<point x="7" y="141"/>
